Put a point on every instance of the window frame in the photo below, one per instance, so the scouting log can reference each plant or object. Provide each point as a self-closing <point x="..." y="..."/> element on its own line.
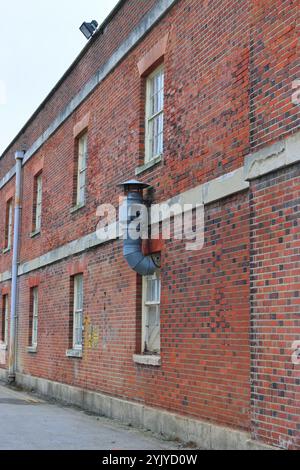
<point x="77" y="312"/>
<point x="81" y="170"/>
<point x="8" y="224"/>
<point x="5" y="314"/>
<point x="35" y="315"/>
<point x="38" y="201"/>
<point x="146" y="304"/>
<point x="150" y="117"/>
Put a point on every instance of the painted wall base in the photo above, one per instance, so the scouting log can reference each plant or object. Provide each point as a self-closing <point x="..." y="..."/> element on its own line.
<point x="170" y="425"/>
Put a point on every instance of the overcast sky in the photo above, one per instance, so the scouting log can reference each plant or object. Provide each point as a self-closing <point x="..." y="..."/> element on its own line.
<point x="39" y="39"/>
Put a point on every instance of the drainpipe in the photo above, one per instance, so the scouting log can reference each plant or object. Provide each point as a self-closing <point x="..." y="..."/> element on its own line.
<point x="14" y="275"/>
<point x="132" y="247"/>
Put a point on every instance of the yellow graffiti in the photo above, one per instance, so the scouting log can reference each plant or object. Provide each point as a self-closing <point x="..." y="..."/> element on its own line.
<point x="91" y="334"/>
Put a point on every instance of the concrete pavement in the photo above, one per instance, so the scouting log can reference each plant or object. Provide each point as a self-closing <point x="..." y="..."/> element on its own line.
<point x="30" y="423"/>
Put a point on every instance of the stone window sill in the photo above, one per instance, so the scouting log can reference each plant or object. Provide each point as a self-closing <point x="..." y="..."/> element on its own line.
<point x="3" y="347"/>
<point x="32" y="349"/>
<point x="148" y="165"/>
<point x="74" y="353"/>
<point x="77" y="208"/>
<point x="35" y="233"/>
<point x="154" y="361"/>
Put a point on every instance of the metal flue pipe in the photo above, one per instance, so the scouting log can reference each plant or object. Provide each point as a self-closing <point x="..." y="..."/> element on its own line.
<point x="15" y="261"/>
<point x="132" y="245"/>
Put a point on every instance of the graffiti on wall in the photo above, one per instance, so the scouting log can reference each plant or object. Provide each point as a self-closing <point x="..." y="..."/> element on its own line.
<point x="91" y="334"/>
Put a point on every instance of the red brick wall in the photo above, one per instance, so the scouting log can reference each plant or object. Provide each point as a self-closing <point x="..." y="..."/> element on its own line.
<point x="274" y="66"/>
<point x="205" y="324"/>
<point x="217" y="92"/>
<point x="205" y="329"/>
<point x="275" y="301"/>
<point x="192" y="126"/>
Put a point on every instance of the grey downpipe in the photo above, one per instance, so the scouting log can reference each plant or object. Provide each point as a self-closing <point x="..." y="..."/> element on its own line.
<point x="132" y="248"/>
<point x="14" y="278"/>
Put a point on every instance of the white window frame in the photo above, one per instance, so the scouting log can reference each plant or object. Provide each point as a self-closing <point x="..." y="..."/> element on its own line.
<point x="78" y="312"/>
<point x="9" y="221"/>
<point x="152" y="117"/>
<point x="149" y="348"/>
<point x="82" y="149"/>
<point x="35" y="314"/>
<point x="38" y="202"/>
<point x="5" y="322"/>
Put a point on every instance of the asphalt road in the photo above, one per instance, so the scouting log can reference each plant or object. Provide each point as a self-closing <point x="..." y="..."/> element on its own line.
<point x="29" y="423"/>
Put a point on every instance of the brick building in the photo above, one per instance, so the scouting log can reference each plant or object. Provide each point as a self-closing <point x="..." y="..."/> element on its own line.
<point x="197" y="98"/>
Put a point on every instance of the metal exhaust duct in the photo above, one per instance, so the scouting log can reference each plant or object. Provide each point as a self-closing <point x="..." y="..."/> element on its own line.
<point x="132" y="245"/>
